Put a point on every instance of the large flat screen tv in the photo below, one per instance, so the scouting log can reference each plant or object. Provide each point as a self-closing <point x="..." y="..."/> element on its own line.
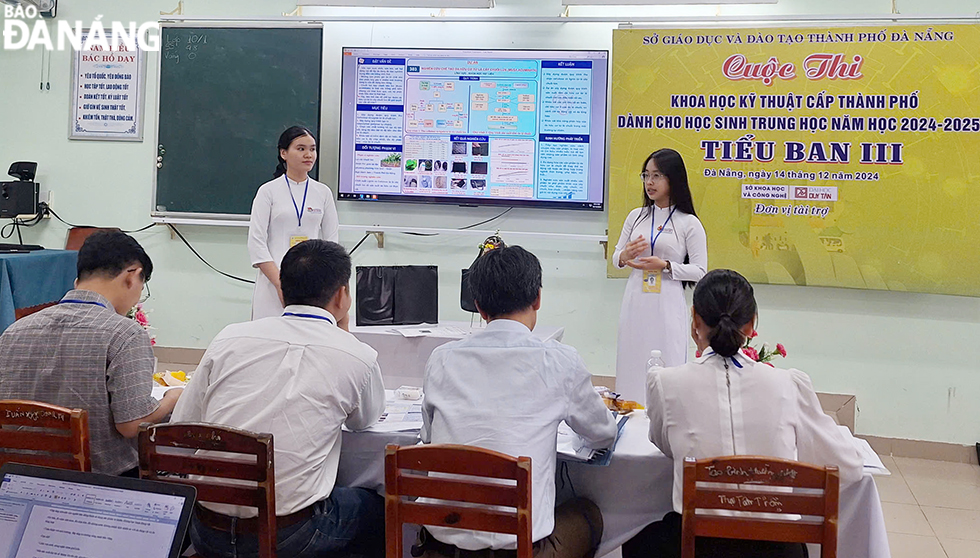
<point x="474" y="127"/>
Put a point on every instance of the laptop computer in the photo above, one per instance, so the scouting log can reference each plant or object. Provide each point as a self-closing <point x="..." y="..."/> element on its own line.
<point x="54" y="512"/>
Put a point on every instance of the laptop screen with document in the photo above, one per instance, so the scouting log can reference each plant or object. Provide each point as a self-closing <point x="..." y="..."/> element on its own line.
<point x="51" y="512"/>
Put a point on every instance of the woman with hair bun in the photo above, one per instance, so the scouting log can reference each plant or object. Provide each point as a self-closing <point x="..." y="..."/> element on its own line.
<point x="724" y="403"/>
<point x="290" y="208"/>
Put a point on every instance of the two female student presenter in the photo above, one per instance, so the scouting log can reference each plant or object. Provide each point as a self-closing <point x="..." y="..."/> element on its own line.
<point x="290" y="208"/>
<point x="664" y="244"/>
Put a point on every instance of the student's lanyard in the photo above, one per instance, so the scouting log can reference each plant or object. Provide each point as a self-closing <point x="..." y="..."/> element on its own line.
<point x="735" y="362"/>
<point x="73" y="301"/>
<point x="664" y="226"/>
<point x="314" y="316"/>
<point x="299" y="210"/>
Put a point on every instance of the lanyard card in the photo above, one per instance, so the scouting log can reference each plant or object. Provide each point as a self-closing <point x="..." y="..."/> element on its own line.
<point x="651" y="281"/>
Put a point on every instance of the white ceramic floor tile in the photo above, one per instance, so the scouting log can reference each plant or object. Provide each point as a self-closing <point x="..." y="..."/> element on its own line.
<point x="906" y="519"/>
<point x="914" y="546"/>
<point x="962" y="473"/>
<point x="893" y="488"/>
<point x="952" y="523"/>
<point x="959" y="548"/>
<point x="943" y="494"/>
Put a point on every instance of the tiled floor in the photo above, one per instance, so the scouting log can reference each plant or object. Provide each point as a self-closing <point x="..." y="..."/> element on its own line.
<point x="932" y="508"/>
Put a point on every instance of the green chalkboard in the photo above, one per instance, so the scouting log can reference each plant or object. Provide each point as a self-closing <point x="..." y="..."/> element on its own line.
<point x="226" y="93"/>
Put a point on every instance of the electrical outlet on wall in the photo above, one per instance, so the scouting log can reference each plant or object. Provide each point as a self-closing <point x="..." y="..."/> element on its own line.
<point x="45" y="196"/>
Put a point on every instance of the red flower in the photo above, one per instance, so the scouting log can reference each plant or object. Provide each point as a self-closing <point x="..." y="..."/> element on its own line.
<point x="754" y="334"/>
<point x="697" y="354"/>
<point x="781" y="349"/>
<point x="770" y="364"/>
<point x="751" y="353"/>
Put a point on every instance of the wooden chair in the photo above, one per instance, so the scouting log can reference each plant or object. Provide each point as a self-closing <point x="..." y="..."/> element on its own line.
<point x="405" y="469"/>
<point x="77" y="235"/>
<point x="254" y="463"/>
<point x="55" y="436"/>
<point x="743" y="475"/>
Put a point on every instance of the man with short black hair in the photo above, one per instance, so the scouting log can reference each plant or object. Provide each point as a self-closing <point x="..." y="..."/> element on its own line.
<point x="299" y="376"/>
<point x="84" y="353"/>
<point x="505" y="390"/>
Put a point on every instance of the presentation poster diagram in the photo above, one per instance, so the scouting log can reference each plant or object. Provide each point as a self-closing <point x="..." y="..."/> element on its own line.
<point x="833" y="156"/>
<point x="505" y="127"/>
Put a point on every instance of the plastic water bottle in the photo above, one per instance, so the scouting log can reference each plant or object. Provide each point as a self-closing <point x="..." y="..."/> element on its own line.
<point x="655" y="363"/>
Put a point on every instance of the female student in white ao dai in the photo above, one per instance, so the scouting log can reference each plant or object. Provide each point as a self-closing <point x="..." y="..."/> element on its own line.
<point x="290" y="208"/>
<point x="664" y="242"/>
<point x="724" y="403"/>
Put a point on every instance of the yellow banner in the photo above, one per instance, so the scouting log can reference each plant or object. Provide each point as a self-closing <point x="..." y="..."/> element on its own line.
<point x="842" y="157"/>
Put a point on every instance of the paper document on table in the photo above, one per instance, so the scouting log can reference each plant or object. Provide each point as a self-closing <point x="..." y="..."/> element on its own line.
<point x="433" y="331"/>
<point x="572" y="447"/>
<point x="872" y="463"/>
<point x="400" y="416"/>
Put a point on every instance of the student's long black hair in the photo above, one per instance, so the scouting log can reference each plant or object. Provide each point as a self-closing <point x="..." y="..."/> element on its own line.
<point x="285" y="140"/>
<point x="671" y="164"/>
<point x="726" y="302"/>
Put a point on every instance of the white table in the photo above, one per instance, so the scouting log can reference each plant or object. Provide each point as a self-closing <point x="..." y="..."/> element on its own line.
<point x="633" y="490"/>
<point x="403" y="359"/>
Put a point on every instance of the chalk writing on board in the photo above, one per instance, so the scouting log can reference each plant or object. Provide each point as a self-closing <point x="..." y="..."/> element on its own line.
<point x="171" y="50"/>
<point x="194" y="43"/>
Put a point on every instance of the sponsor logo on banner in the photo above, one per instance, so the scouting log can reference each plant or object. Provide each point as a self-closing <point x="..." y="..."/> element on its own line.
<point x="783" y="192"/>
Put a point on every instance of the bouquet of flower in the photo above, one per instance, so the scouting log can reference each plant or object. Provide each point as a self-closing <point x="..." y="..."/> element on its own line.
<point x="763" y="354"/>
<point x="137" y="313"/>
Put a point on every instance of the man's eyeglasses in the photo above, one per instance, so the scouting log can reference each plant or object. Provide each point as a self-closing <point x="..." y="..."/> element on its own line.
<point x="146" y="293"/>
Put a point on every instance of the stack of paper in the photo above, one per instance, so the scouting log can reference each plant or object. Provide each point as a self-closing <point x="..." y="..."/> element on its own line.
<point x="872" y="463"/>
<point x="399" y="416"/>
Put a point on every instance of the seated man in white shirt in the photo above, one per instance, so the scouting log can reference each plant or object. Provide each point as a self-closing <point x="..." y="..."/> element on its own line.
<point x="299" y="376"/>
<point x="505" y="390"/>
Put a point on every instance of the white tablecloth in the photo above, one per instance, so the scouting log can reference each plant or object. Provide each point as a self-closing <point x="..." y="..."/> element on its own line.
<point x="402" y="359"/>
<point x="633" y="490"/>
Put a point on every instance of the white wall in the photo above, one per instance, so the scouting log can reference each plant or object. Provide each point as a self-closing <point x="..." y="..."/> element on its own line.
<point x="910" y="358"/>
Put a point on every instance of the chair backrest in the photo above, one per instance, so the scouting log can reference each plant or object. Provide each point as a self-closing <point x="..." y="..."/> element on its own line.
<point x="405" y="476"/>
<point x="254" y="463"/>
<point x="805" y="516"/>
<point x="54" y="436"/>
<point x="77" y="235"/>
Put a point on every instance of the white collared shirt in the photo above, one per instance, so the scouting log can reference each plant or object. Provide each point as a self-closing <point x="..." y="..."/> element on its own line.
<point x="765" y="411"/>
<point x="505" y="390"/>
<point x="274" y="221"/>
<point x="683" y="235"/>
<point x="298" y="378"/>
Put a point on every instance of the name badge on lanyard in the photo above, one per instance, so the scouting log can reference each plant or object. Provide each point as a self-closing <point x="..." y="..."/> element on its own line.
<point x="296" y="239"/>
<point x="653" y="280"/>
